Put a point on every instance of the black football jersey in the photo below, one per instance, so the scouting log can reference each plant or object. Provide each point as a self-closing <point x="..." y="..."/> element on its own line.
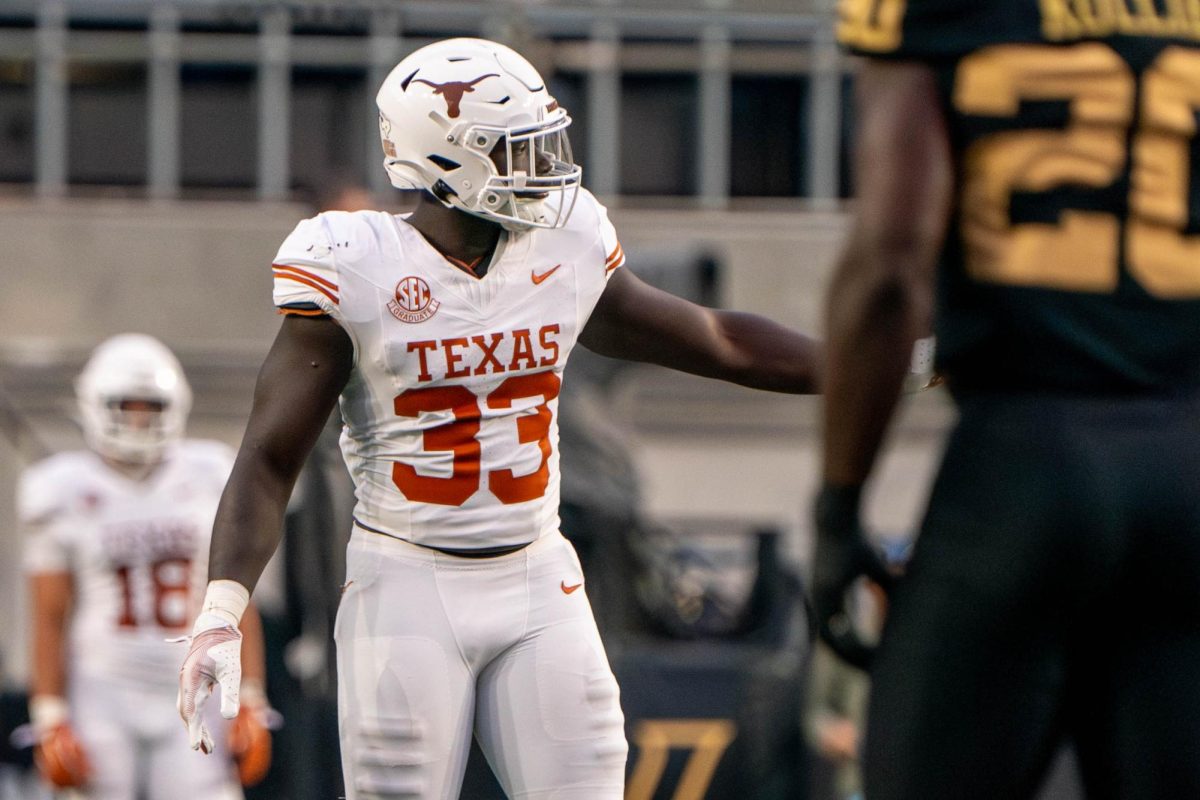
<point x="1073" y="259"/>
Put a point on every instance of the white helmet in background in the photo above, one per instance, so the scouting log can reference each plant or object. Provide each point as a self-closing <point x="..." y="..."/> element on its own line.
<point x="125" y="368"/>
<point x="445" y="107"/>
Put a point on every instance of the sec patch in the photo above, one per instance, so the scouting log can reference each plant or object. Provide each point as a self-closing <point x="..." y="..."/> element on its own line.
<point x="413" y="301"/>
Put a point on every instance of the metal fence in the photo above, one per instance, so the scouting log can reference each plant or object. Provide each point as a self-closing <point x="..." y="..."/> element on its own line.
<point x="600" y="45"/>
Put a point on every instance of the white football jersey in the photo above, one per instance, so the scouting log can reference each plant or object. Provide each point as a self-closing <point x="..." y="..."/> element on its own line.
<point x="451" y="433"/>
<point x="137" y="552"/>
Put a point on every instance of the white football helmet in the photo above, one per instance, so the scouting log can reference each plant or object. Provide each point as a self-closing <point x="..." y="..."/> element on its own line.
<point x="444" y="108"/>
<point x="132" y="367"/>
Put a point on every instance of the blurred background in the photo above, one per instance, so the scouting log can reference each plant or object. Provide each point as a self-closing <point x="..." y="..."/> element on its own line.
<point x="153" y="155"/>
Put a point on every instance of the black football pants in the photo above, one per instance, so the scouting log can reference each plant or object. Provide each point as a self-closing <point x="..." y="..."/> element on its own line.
<point x="1054" y="591"/>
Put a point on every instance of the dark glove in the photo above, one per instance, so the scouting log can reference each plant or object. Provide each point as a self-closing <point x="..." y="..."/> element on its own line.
<point x="842" y="556"/>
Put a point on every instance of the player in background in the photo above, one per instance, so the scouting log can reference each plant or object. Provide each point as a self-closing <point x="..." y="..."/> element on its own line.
<point x="445" y="333"/>
<point x="1028" y="175"/>
<point x="117" y="544"/>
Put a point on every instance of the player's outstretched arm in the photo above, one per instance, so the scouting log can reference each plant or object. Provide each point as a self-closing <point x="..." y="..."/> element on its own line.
<point x="303" y="374"/>
<point x="880" y="302"/>
<point x="637" y="322"/>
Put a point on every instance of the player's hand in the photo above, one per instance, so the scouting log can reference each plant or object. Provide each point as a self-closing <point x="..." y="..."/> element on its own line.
<point x="842" y="557"/>
<point x="249" y="736"/>
<point x="61" y="759"/>
<point x="57" y="752"/>
<point x="214" y="658"/>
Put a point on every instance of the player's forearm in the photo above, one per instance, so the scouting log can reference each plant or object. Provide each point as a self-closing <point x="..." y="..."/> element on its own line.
<point x="48" y="675"/>
<point x="732" y="346"/>
<point x="249" y="522"/>
<point x="876" y="313"/>
<point x="638" y="322"/>
<point x="763" y="354"/>
<point x="47" y="652"/>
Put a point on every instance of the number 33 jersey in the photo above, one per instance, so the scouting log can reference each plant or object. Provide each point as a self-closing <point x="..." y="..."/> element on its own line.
<point x="137" y="553"/>
<point x="1073" y="261"/>
<point x="451" y="431"/>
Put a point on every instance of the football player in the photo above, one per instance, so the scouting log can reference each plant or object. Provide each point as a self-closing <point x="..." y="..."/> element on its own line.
<point x="116" y="553"/>
<point x="1038" y="163"/>
<point x="445" y="332"/>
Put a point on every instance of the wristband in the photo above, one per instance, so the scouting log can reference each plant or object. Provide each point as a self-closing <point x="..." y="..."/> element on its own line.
<point x="227" y="600"/>
<point x="47" y="711"/>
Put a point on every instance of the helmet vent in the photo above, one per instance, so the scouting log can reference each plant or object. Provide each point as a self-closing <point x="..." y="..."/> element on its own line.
<point x="501" y="101"/>
<point x="443" y="162"/>
<point x="456" y="59"/>
<point x="404" y="83"/>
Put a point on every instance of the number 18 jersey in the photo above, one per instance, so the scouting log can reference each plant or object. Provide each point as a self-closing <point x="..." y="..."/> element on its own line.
<point x="450" y="432"/>
<point x="1073" y="260"/>
<point x="136" y="550"/>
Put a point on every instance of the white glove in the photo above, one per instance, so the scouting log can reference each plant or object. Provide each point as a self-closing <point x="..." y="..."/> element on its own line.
<point x="215" y="657"/>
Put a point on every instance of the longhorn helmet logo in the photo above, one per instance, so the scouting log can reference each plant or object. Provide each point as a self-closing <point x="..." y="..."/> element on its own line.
<point x="454" y="90"/>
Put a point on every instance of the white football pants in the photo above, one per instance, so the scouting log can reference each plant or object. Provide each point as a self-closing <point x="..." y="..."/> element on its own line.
<point x="432" y="646"/>
<point x="138" y="747"/>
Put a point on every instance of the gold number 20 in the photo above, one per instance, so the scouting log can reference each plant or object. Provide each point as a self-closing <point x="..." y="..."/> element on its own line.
<point x="1080" y="252"/>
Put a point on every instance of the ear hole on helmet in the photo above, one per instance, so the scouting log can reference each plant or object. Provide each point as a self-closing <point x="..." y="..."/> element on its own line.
<point x="442" y="191"/>
<point x="404" y="83"/>
<point x="446" y="164"/>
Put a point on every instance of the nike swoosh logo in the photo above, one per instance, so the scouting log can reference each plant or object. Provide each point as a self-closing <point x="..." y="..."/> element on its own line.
<point x="568" y="589"/>
<point x="539" y="278"/>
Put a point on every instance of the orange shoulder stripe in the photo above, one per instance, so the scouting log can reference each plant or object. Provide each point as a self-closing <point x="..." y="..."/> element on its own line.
<point x="307" y="274"/>
<point x="616" y="259"/>
<point x="307" y="282"/>
<point x="302" y="312"/>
